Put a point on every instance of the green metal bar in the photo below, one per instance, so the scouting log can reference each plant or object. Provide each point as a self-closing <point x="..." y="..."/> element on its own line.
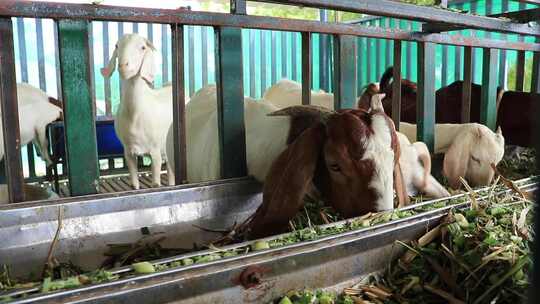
<point x="10" y="117"/>
<point x="488" y="109"/>
<point x="396" y="85"/>
<point x="79" y="116"/>
<point x="230" y="93"/>
<point x="179" y="117"/>
<point x="344" y="71"/>
<point x="306" y="68"/>
<point x="425" y="98"/>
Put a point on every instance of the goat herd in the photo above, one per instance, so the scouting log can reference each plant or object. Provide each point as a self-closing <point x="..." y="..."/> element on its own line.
<point x="353" y="158"/>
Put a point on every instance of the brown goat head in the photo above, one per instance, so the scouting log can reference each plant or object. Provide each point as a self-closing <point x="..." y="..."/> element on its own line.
<point x="349" y="155"/>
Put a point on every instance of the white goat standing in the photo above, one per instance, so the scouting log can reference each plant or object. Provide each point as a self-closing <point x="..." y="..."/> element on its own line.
<point x="286" y="93"/>
<point x="145" y="114"/>
<point x="35" y="113"/>
<point x="469" y="150"/>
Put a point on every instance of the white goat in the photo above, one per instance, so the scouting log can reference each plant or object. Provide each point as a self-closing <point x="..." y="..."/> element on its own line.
<point x="469" y="149"/>
<point x="265" y="137"/>
<point x="415" y="162"/>
<point x="145" y="114"/>
<point x="35" y="112"/>
<point x="285" y="93"/>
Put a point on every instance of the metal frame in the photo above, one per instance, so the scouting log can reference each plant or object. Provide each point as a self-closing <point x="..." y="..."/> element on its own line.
<point x="232" y="139"/>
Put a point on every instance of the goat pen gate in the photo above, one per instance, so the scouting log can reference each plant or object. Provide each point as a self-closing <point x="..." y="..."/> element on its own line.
<point x="72" y="23"/>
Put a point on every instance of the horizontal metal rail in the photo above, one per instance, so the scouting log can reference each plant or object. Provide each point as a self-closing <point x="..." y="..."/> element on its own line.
<point x="388" y="8"/>
<point x="30" y="9"/>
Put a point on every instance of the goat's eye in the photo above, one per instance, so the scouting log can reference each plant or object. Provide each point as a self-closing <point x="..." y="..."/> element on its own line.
<point x="475" y="159"/>
<point x="143" y="47"/>
<point x="335" y="168"/>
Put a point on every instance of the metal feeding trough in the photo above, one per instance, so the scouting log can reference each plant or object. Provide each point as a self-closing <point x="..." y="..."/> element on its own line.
<point x="333" y="261"/>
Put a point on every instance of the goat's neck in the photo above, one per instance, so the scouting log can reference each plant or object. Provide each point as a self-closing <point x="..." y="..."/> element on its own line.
<point x="445" y="135"/>
<point x="133" y="90"/>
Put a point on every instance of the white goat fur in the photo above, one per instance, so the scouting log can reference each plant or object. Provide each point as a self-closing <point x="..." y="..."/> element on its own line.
<point x="287" y="93"/>
<point x="35" y="113"/>
<point x="145" y="114"/>
<point x="416" y="176"/>
<point x="469" y="149"/>
<point x="266" y="137"/>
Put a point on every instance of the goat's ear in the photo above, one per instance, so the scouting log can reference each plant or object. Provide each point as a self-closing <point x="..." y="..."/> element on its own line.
<point x="109" y="69"/>
<point x="150" y="45"/>
<point x="148" y="68"/>
<point x="287" y="182"/>
<point x="456" y="161"/>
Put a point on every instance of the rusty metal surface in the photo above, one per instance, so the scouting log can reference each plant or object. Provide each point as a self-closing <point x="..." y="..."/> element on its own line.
<point x="10" y="113"/>
<point x="306" y="68"/>
<point x="127" y="14"/>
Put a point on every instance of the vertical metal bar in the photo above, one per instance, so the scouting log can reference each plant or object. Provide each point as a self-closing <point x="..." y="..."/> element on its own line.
<point x="359" y="68"/>
<point x="457" y="63"/>
<point x="344" y="71"/>
<point x="204" y="59"/>
<point x="408" y="54"/>
<point x="24" y="78"/>
<point x="135" y="27"/>
<point x="474" y="9"/>
<point x="191" y="59"/>
<point x="230" y="93"/>
<point x="502" y="57"/>
<point x="40" y="54"/>
<point x="107" y="81"/>
<point x="306" y="68"/>
<point x="396" y="85"/>
<point x="369" y="65"/>
<point x="79" y="116"/>
<point x="488" y="109"/>
<point x="520" y="71"/>
<point x="425" y="100"/>
<point x="444" y="67"/>
<point x="535" y="79"/>
<point x="323" y="54"/>
<point x="467" y="85"/>
<point x="388" y="43"/>
<point x="273" y="57"/>
<point x="378" y="58"/>
<point x="263" y="61"/>
<point x="10" y="113"/>
<point x="179" y="116"/>
<point x="164" y="54"/>
<point x="251" y="51"/>
<point x="294" y="65"/>
<point x="54" y="169"/>
<point x="284" y="54"/>
<point x="238" y="7"/>
<point x="120" y="34"/>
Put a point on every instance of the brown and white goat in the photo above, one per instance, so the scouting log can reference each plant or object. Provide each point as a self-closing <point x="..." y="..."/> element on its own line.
<point x="349" y="155"/>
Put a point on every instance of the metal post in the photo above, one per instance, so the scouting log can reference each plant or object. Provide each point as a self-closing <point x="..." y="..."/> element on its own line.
<point x="535" y="81"/>
<point x="344" y="71"/>
<point x="425" y="100"/>
<point x="467" y="85"/>
<point x="396" y="85"/>
<point x="10" y="113"/>
<point x="238" y="7"/>
<point x="488" y="109"/>
<point x="306" y="68"/>
<point x="520" y="71"/>
<point x="79" y="116"/>
<point x="324" y="55"/>
<point x="179" y="117"/>
<point x="230" y="93"/>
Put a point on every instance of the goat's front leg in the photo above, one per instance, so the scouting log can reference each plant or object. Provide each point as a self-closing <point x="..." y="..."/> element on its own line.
<point x="170" y="173"/>
<point x="43" y="145"/>
<point x="131" y="161"/>
<point x="156" y="168"/>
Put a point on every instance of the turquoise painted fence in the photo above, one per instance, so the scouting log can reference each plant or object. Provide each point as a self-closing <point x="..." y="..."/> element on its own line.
<point x="268" y="57"/>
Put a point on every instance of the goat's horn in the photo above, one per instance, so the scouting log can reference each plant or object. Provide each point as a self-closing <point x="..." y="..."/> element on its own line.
<point x="302" y="110"/>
